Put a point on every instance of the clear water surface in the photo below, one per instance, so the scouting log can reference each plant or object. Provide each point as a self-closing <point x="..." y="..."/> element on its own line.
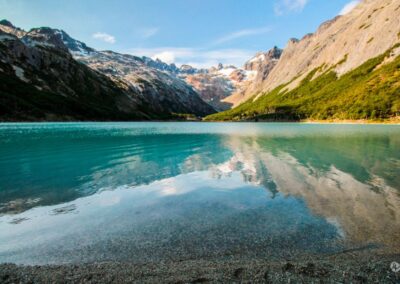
<point x="140" y="192"/>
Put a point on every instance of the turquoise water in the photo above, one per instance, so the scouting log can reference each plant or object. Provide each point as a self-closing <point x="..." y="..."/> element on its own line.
<point x="83" y="192"/>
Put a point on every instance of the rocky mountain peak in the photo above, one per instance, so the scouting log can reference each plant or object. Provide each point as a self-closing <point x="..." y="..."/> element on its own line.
<point x="75" y="46"/>
<point x="325" y="25"/>
<point x="274" y="53"/>
<point x="238" y="75"/>
<point x="45" y="36"/>
<point x="160" y="65"/>
<point x="307" y="36"/>
<point x="187" y="69"/>
<point x="254" y="72"/>
<point x="7" y="27"/>
<point x="263" y="59"/>
<point x="292" y="41"/>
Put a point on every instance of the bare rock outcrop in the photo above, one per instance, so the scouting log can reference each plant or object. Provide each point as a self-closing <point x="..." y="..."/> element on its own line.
<point x="260" y="66"/>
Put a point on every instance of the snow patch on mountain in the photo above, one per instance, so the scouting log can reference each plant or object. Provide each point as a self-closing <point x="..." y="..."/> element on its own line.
<point x="226" y="71"/>
<point x="19" y="72"/>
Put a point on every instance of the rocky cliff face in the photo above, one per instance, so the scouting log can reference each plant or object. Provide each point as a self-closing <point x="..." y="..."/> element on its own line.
<point x="259" y="67"/>
<point x="8" y="27"/>
<point x="264" y="62"/>
<point x="347" y="69"/>
<point x="218" y="85"/>
<point x="366" y="32"/>
<point x="212" y="88"/>
<point x="41" y="80"/>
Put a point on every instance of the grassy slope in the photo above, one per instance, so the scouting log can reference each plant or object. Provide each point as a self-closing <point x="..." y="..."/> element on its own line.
<point x="367" y="92"/>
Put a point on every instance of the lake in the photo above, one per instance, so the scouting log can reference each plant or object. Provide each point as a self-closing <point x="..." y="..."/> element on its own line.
<point x="148" y="192"/>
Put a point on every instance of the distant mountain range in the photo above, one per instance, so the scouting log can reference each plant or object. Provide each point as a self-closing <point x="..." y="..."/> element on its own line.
<point x="223" y="87"/>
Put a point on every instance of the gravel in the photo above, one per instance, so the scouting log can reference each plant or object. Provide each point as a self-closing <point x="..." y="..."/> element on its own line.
<point x="338" y="268"/>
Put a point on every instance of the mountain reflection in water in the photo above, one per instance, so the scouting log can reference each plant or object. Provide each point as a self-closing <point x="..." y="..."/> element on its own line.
<point x="156" y="191"/>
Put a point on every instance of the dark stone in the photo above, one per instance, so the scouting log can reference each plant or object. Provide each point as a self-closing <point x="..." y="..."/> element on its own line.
<point x="360" y="279"/>
<point x="266" y="277"/>
<point x="288" y="267"/>
<point x="200" y="280"/>
<point x="238" y="272"/>
<point x="311" y="270"/>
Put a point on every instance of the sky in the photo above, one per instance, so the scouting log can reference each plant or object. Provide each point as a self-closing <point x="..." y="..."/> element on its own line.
<point x="201" y="33"/>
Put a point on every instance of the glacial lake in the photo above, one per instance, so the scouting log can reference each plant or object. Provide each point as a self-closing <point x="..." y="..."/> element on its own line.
<point x="149" y="192"/>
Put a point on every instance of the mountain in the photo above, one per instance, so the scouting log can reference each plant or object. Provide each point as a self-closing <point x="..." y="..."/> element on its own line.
<point x="40" y="79"/>
<point x="259" y="67"/>
<point x="216" y="84"/>
<point x="213" y="84"/>
<point x="225" y="87"/>
<point x="8" y="27"/>
<point x="164" y="91"/>
<point x="42" y="82"/>
<point x="160" y="65"/>
<point x="220" y="86"/>
<point x="347" y="69"/>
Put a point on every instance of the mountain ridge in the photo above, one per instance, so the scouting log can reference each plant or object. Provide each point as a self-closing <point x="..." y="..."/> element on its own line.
<point x="356" y="54"/>
<point x="38" y="72"/>
<point x="338" y="37"/>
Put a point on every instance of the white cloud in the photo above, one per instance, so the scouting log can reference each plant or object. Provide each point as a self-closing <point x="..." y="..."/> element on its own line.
<point x="206" y="56"/>
<point x="149" y="32"/>
<point x="104" y="37"/>
<point x="242" y="33"/>
<point x="200" y="58"/>
<point x="284" y="6"/>
<point x="166" y="56"/>
<point x="349" y="6"/>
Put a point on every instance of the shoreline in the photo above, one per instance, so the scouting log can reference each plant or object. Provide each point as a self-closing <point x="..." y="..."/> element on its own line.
<point x="346" y="121"/>
<point x="393" y="121"/>
<point x="355" y="122"/>
<point x="353" y="267"/>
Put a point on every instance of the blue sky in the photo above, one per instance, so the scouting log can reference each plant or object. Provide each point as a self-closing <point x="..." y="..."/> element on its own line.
<point x="197" y="32"/>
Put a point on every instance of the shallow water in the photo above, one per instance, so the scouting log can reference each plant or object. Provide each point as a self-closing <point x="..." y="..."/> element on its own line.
<point x="83" y="192"/>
